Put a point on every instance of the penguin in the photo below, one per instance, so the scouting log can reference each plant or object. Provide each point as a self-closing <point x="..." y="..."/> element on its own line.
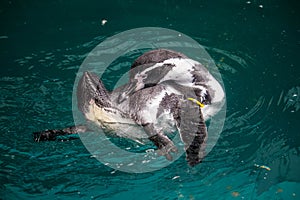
<point x="167" y="92"/>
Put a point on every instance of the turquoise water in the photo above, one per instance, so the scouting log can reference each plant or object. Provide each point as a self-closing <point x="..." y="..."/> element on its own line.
<point x="255" y="45"/>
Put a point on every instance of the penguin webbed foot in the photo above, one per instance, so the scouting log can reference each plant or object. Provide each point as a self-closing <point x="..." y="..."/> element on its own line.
<point x="167" y="150"/>
<point x="51" y="135"/>
<point x="47" y="135"/>
<point x="165" y="146"/>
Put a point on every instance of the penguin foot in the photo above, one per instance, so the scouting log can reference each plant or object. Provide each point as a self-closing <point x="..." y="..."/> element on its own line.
<point x="47" y="135"/>
<point x="165" y="146"/>
<point x="166" y="150"/>
<point x="50" y="135"/>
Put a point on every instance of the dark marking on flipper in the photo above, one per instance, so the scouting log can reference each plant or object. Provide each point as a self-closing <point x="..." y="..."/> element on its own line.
<point x="195" y="152"/>
<point x="193" y="132"/>
<point x="50" y="135"/>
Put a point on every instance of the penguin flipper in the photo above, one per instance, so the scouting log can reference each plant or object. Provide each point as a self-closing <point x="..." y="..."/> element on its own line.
<point x="193" y="132"/>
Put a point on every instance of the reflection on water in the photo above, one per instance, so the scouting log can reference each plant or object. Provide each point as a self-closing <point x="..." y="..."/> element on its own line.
<point x="259" y="130"/>
<point x="292" y="100"/>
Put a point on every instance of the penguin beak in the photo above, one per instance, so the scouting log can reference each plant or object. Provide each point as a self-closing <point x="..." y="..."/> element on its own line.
<point x="90" y="87"/>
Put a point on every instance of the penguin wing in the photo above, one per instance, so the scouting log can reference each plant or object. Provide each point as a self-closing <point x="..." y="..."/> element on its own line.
<point x="193" y="132"/>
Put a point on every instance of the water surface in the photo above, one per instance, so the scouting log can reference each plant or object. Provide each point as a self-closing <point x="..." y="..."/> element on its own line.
<point x="255" y="45"/>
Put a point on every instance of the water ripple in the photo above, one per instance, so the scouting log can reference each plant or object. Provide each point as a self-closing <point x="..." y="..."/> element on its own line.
<point x="255" y="132"/>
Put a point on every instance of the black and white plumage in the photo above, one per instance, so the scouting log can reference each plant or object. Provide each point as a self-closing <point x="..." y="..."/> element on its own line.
<point x="165" y="66"/>
<point x="155" y="102"/>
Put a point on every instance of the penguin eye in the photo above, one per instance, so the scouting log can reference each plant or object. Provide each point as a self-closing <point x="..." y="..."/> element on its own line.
<point x="203" y="95"/>
<point x="207" y="98"/>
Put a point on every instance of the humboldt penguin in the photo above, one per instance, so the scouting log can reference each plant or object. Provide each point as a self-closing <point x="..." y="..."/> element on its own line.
<point x="167" y="92"/>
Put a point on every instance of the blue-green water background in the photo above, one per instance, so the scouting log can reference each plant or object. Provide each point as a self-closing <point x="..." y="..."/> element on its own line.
<point x="255" y="44"/>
